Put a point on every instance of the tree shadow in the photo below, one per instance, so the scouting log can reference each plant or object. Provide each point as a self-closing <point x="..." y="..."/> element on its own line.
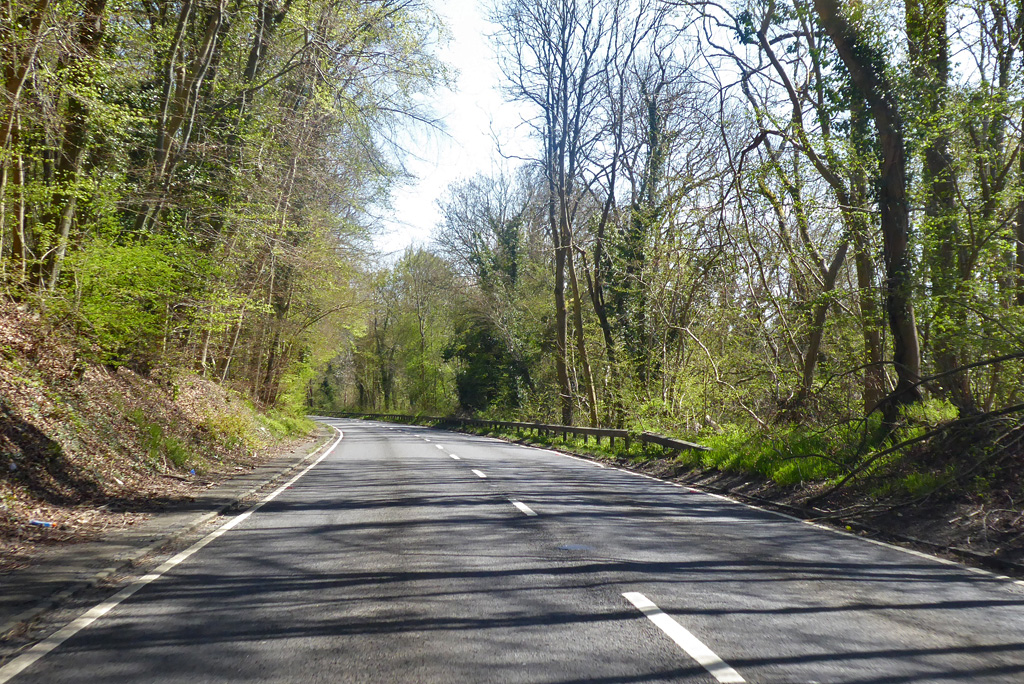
<point x="41" y="466"/>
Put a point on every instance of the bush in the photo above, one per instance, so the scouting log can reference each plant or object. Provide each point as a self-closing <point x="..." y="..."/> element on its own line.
<point x="119" y="295"/>
<point x="164" y="448"/>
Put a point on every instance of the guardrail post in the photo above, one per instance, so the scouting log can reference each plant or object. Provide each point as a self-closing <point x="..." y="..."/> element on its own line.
<point x="671" y="445"/>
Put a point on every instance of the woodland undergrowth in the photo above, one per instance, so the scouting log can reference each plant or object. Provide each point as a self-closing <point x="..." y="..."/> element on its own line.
<point x="86" y="448"/>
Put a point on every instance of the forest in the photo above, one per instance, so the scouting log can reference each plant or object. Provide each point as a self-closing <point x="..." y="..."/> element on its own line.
<point x="186" y="183"/>
<point x="797" y="224"/>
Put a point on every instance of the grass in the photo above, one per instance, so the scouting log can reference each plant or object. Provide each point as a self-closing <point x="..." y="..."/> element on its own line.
<point x="247" y="428"/>
<point x="164" y="448"/>
<point x="787" y="455"/>
<point x="637" y="452"/>
<point x="285" y="424"/>
<point x="921" y="484"/>
<point x="255" y="429"/>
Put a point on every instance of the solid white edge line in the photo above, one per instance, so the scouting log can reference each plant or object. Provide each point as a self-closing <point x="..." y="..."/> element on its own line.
<point x="576" y="458"/>
<point x="693" y="646"/>
<point x="475" y="472"/>
<point x="455" y="457"/>
<point x="29" y="657"/>
<point x="877" y="542"/>
<point x="524" y="508"/>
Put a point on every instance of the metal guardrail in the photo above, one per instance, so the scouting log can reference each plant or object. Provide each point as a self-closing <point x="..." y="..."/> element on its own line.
<point x="540" y="428"/>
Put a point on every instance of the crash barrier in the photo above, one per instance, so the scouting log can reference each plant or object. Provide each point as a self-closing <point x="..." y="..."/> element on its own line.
<point x="538" y="428"/>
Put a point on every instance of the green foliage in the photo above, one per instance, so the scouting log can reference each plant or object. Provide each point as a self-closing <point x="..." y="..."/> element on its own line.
<point x="120" y="293"/>
<point x="922" y="484"/>
<point x="730" y="262"/>
<point x="790" y="455"/>
<point x="216" y="223"/>
<point x="395" y="362"/>
<point x="931" y="412"/>
<point x="237" y="428"/>
<point x="488" y="375"/>
<point x="162" y="448"/>
<point x="284" y="424"/>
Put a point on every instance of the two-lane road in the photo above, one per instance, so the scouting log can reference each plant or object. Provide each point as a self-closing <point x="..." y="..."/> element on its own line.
<point x="414" y="555"/>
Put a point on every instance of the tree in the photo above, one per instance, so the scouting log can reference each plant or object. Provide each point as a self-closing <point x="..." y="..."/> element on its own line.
<point x="555" y="56"/>
<point x="867" y="69"/>
<point x="208" y="167"/>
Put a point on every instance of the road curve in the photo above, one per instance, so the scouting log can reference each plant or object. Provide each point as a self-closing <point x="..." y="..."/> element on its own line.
<point x="416" y="555"/>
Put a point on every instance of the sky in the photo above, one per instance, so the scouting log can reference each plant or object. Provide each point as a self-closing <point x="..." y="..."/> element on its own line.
<point x="473" y="113"/>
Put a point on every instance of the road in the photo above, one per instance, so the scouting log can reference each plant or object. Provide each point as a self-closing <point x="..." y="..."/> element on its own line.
<point x="416" y="555"/>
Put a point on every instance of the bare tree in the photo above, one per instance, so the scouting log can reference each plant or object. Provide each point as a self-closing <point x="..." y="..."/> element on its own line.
<point x="555" y="57"/>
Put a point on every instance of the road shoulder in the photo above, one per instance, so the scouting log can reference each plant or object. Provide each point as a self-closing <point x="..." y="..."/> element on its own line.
<point x="59" y="573"/>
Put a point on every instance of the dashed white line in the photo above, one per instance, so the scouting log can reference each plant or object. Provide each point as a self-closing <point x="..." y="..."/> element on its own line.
<point x="877" y="542"/>
<point x="439" y="446"/>
<point x="479" y="474"/>
<point x="455" y="457"/>
<point x="693" y="646"/>
<point x="524" y="508"/>
<point x="27" y="659"/>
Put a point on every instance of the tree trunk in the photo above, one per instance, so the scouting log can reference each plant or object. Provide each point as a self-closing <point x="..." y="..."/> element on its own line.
<point x="180" y="106"/>
<point x="76" y="136"/>
<point x="15" y="71"/>
<point x="231" y="348"/>
<point x="817" y="327"/>
<point x="561" y="369"/>
<point x="1020" y="230"/>
<point x="19" y="248"/>
<point x="581" y="342"/>
<point x="16" y="67"/>
<point x="868" y="74"/>
<point x="874" y="370"/>
<point x="857" y="217"/>
<point x="928" y="46"/>
<point x="1020" y="220"/>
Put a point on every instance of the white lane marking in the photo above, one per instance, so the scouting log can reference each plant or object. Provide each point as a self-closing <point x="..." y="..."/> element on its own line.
<point x="523" y="507"/>
<point x="576" y="458"/>
<point x="439" y="446"/>
<point x="877" y="542"/>
<point x="29" y="657"/>
<point x="693" y="646"/>
<point x="475" y="472"/>
<point x="456" y="457"/>
<point x="425" y="439"/>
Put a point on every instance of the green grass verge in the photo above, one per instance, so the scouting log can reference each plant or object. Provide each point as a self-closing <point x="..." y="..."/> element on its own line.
<point x="786" y="455"/>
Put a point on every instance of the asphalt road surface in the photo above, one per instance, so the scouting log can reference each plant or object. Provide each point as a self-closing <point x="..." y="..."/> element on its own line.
<point x="415" y="555"/>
